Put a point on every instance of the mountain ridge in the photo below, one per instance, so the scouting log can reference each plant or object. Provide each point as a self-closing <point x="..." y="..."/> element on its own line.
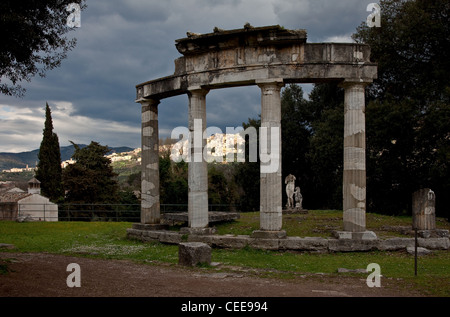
<point x="30" y="158"/>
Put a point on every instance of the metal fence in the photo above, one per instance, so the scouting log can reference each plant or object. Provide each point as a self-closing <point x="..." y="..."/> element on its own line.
<point x="98" y="212"/>
<point x="37" y="212"/>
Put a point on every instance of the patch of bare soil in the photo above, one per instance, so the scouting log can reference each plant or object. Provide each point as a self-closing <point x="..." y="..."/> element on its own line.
<point x="45" y="275"/>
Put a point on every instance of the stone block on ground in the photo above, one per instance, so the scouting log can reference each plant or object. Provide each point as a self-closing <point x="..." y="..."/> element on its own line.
<point x="194" y="253"/>
<point x="420" y="251"/>
<point x="266" y="234"/>
<point x="347" y="235"/>
<point x="198" y="231"/>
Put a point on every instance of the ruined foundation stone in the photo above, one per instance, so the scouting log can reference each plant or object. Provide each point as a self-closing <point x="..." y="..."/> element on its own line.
<point x="194" y="253"/>
<point x="310" y="244"/>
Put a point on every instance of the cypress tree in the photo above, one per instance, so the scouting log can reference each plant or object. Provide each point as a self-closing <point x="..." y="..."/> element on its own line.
<point x="49" y="167"/>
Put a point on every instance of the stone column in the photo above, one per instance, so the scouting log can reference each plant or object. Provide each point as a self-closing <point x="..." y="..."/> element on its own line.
<point x="198" y="168"/>
<point x="270" y="156"/>
<point x="354" y="176"/>
<point x="150" y="209"/>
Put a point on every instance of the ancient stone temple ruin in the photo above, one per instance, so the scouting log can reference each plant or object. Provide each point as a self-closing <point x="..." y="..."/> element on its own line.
<point x="268" y="57"/>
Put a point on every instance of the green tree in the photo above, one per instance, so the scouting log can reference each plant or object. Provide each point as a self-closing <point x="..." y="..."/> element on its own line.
<point x="173" y="180"/>
<point x="325" y="155"/>
<point x="49" y="170"/>
<point x="408" y="133"/>
<point x="410" y="48"/>
<point x="247" y="175"/>
<point x="91" y="179"/>
<point x="33" y="40"/>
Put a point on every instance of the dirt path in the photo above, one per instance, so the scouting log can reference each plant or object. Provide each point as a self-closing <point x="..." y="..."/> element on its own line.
<point x="44" y="275"/>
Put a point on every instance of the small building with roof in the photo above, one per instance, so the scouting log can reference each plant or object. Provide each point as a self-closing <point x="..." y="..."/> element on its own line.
<point x="16" y="203"/>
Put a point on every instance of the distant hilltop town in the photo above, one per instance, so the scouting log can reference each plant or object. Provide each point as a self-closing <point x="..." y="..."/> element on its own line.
<point x="214" y="141"/>
<point x="20" y="170"/>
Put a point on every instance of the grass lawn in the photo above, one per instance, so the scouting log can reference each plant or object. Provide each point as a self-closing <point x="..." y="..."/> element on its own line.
<point x="108" y="240"/>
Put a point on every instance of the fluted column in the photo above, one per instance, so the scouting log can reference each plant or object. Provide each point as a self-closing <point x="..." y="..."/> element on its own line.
<point x="150" y="208"/>
<point x="354" y="174"/>
<point x="198" y="167"/>
<point x="270" y="157"/>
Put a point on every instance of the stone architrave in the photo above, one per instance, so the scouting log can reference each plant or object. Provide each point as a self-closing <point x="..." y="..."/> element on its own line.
<point x="198" y="167"/>
<point x="423" y="209"/>
<point x="150" y="206"/>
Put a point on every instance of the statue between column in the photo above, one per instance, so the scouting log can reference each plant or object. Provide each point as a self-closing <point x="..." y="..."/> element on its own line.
<point x="293" y="195"/>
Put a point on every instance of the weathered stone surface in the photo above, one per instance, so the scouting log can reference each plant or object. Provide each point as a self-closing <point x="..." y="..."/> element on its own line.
<point x="134" y="233"/>
<point x="423" y="209"/>
<point x="193" y="253"/>
<point x="394" y="244"/>
<point x="265" y="244"/>
<point x="270" y="165"/>
<point x="150" y="205"/>
<point x="434" y="243"/>
<point x="420" y="251"/>
<point x="268" y="234"/>
<point x="354" y="174"/>
<point x="170" y="237"/>
<point x="365" y="235"/>
<point x="230" y="241"/>
<point x="313" y="244"/>
<point x="304" y="244"/>
<point x="199" y="238"/>
<point x="198" y="167"/>
<point x="236" y="65"/>
<point x="197" y="231"/>
<point x="213" y="216"/>
<point x="351" y="245"/>
<point x="442" y="233"/>
<point x="435" y="233"/>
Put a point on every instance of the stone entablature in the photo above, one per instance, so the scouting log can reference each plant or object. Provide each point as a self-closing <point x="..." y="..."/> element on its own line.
<point x="244" y="57"/>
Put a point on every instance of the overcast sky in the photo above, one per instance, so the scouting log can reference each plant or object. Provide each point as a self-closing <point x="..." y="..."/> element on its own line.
<point x="122" y="43"/>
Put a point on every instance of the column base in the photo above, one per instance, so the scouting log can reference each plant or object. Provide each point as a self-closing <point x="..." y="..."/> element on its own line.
<point x="348" y="235"/>
<point x="148" y="226"/>
<point x="197" y="231"/>
<point x="265" y="234"/>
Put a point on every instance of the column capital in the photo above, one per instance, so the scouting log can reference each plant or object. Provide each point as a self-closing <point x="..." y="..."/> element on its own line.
<point x="349" y="82"/>
<point x="148" y="101"/>
<point x="197" y="90"/>
<point x="270" y="82"/>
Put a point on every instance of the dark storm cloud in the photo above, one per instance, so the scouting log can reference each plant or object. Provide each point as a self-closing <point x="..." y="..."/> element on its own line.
<point x="122" y="43"/>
